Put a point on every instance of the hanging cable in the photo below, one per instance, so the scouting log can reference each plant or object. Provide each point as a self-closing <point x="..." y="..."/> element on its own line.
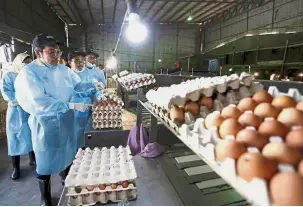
<point x="121" y="30"/>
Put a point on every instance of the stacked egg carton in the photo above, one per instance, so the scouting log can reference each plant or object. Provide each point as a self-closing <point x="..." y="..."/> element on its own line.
<point x="204" y="139"/>
<point x="101" y="175"/>
<point x="226" y="90"/>
<point x="136" y="80"/>
<point x="108" y="112"/>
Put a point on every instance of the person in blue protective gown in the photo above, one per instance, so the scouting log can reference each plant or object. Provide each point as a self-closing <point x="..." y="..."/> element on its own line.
<point x="83" y="120"/>
<point x="91" y="58"/>
<point x="45" y="90"/>
<point x="19" y="141"/>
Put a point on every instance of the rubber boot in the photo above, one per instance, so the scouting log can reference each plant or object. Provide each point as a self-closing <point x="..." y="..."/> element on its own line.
<point x="32" y="158"/>
<point x="16" y="166"/>
<point x="45" y="190"/>
<point x="63" y="174"/>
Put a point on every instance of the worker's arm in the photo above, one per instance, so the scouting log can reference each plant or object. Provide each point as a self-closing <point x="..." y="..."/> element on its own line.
<point x="7" y="89"/>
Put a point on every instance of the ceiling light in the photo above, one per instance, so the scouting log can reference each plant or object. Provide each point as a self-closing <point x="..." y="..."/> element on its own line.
<point x="189" y="18"/>
<point x="159" y="60"/>
<point x="111" y="63"/>
<point x="136" y="31"/>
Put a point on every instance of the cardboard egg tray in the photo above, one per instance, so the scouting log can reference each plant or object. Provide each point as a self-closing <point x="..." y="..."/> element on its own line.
<point x="202" y="141"/>
<point x="101" y="175"/>
<point x="107" y="115"/>
<point x="136" y="80"/>
<point x="107" y="124"/>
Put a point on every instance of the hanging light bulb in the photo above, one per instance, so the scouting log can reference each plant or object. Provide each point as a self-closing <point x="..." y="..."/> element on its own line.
<point x="189" y="18"/>
<point x="136" y="31"/>
<point x="112" y="63"/>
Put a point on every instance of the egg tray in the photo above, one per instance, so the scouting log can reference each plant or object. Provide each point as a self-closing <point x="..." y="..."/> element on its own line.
<point x="111" y="97"/>
<point x="104" y="197"/>
<point x="101" y="166"/>
<point x="191" y="90"/>
<point x="101" y="115"/>
<point x="106" y="125"/>
<point x="134" y="86"/>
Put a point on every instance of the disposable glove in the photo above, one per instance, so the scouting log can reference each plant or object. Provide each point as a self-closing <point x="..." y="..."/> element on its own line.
<point x="79" y="106"/>
<point x="13" y="103"/>
<point x="99" y="85"/>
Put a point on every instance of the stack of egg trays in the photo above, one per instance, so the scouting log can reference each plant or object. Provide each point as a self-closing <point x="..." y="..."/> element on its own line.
<point x="148" y="80"/>
<point x="101" y="166"/>
<point x="105" y="117"/>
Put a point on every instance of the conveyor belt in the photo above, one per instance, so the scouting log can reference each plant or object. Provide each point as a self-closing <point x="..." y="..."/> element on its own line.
<point x="195" y="182"/>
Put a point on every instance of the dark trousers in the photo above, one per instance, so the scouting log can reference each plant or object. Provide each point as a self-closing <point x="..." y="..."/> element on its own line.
<point x="46" y="177"/>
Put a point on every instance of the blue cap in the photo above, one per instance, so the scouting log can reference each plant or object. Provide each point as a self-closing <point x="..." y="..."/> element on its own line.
<point x="42" y="40"/>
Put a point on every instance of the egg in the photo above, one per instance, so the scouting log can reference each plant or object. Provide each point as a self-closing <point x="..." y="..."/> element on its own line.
<point x="229" y="149"/>
<point x="102" y="186"/>
<point x="214" y="119"/>
<point x="90" y="188"/>
<point x="193" y="108"/>
<point x="266" y="110"/>
<point x="114" y="185"/>
<point x="250" y="119"/>
<point x="282" y="153"/>
<point x="286" y="189"/>
<point x="300" y="168"/>
<point x="282" y="102"/>
<point x="229" y="127"/>
<point x="262" y="97"/>
<point x="206" y="101"/>
<point x="254" y="165"/>
<point x="231" y="112"/>
<point x="125" y="184"/>
<point x="251" y="138"/>
<point x="247" y="104"/>
<point x="291" y="117"/>
<point x="300" y="106"/>
<point x="176" y="114"/>
<point x="272" y="128"/>
<point x="294" y="138"/>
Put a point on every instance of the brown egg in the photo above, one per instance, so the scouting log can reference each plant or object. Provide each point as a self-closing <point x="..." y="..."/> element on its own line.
<point x="282" y="102"/>
<point x="291" y="117"/>
<point x="102" y="186"/>
<point x="247" y="104"/>
<point x="193" y="108"/>
<point x="251" y="138"/>
<point x="213" y="120"/>
<point x="273" y="128"/>
<point x="266" y="110"/>
<point x="300" y="168"/>
<point x="114" y="185"/>
<point x="229" y="127"/>
<point x="176" y="114"/>
<point x="254" y="165"/>
<point x="206" y="101"/>
<point x="286" y="189"/>
<point x="282" y="153"/>
<point x="125" y="184"/>
<point x="263" y="97"/>
<point x="231" y="112"/>
<point x="300" y="106"/>
<point x="294" y="138"/>
<point x="229" y="149"/>
<point x="250" y="119"/>
<point x="90" y="188"/>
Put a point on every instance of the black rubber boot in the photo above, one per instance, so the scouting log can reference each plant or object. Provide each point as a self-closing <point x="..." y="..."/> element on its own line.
<point x="45" y="190"/>
<point x="32" y="158"/>
<point x="63" y="174"/>
<point x="16" y="166"/>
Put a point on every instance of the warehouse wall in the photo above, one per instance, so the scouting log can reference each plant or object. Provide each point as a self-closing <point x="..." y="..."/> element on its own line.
<point x="26" y="18"/>
<point x="269" y="14"/>
<point x="165" y="42"/>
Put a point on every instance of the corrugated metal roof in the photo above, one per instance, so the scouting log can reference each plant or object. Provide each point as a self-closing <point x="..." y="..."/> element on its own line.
<point x="156" y="11"/>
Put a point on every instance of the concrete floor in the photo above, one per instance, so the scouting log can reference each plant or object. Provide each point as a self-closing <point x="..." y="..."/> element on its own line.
<point x="25" y="191"/>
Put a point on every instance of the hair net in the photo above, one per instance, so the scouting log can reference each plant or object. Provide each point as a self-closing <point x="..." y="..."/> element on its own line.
<point x="18" y="62"/>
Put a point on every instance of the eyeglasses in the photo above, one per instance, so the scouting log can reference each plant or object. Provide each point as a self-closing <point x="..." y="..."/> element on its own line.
<point x="77" y="61"/>
<point x="55" y="52"/>
<point x="91" y="57"/>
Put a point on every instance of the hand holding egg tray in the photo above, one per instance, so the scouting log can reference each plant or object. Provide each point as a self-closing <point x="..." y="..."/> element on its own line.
<point x="231" y="160"/>
<point x="101" y="175"/>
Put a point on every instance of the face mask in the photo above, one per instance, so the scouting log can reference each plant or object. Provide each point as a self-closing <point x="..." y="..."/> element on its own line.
<point x="77" y="71"/>
<point x="46" y="64"/>
<point x="89" y="65"/>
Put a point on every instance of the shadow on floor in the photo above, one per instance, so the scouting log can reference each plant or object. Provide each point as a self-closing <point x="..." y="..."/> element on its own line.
<point x="25" y="191"/>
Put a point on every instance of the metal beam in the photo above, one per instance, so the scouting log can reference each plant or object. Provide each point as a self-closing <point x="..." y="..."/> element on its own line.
<point x="142" y="2"/>
<point x="102" y="11"/>
<point x="170" y="8"/>
<point x="203" y="18"/>
<point x="211" y="10"/>
<point x="157" y="12"/>
<point x="90" y="11"/>
<point x="114" y="12"/>
<point x="176" y="12"/>
<point x="62" y="8"/>
<point x="73" y="7"/>
<point x="149" y="8"/>
<point x="187" y="11"/>
<point x="202" y="1"/>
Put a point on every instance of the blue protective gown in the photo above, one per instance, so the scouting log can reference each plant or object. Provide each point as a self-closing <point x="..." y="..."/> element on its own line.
<point x="19" y="140"/>
<point x="44" y="91"/>
<point x="97" y="74"/>
<point x="83" y="120"/>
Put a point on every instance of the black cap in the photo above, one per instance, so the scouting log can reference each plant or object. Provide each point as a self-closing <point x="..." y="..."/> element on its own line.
<point x="90" y="52"/>
<point x="42" y="40"/>
<point x="74" y="54"/>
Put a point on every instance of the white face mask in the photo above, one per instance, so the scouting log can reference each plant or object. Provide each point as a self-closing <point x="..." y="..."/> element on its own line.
<point x="89" y="65"/>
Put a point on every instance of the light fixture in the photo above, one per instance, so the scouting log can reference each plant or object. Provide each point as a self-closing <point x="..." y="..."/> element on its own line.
<point x="136" y="31"/>
<point x="230" y="69"/>
<point x="189" y="18"/>
<point x="256" y="74"/>
<point x="159" y="60"/>
<point x="112" y="62"/>
<point x="301" y="74"/>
